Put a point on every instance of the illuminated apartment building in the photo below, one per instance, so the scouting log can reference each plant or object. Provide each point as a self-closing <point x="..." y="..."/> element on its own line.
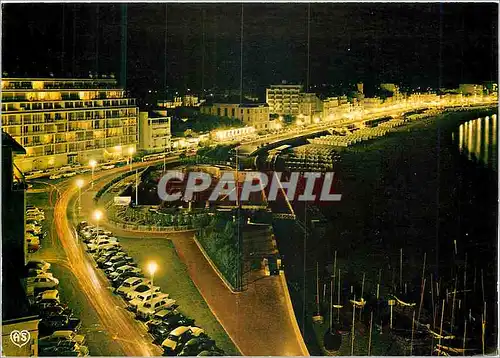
<point x="68" y="121"/>
<point x="283" y="99"/>
<point x="154" y="132"/>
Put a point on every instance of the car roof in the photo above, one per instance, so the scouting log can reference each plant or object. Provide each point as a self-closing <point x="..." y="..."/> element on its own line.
<point x="179" y="330"/>
<point x="131" y="279"/>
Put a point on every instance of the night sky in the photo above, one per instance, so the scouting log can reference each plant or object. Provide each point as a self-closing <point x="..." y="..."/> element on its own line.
<point x="411" y="44"/>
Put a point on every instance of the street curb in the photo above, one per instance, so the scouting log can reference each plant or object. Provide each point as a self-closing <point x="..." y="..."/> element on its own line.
<point x="293" y="318"/>
<point x="214" y="267"/>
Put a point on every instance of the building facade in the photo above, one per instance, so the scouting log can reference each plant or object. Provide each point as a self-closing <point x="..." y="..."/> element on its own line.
<point x="154" y="132"/>
<point x="284" y="99"/>
<point x="310" y="107"/>
<point x="66" y="121"/>
<point x="254" y="115"/>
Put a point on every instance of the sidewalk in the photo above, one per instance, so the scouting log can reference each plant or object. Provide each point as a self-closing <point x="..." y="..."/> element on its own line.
<point x="259" y="320"/>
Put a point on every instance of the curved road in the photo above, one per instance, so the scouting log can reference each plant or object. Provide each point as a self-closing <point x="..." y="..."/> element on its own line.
<point x="130" y="334"/>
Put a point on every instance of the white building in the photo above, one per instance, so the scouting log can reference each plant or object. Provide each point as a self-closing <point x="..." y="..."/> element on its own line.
<point x="154" y="132"/>
<point x="284" y="99"/>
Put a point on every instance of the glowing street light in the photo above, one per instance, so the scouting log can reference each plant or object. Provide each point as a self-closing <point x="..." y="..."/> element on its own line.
<point x="92" y="164"/>
<point x="97" y="217"/>
<point x="79" y="184"/>
<point x="152" y="266"/>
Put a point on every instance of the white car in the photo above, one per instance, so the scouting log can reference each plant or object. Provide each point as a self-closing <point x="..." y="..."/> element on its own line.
<point x="141" y="293"/>
<point x="149" y="308"/>
<point x="69" y="174"/>
<point x="43" y="282"/>
<point x="59" y="336"/>
<point x="55" y="176"/>
<point x="129" y="284"/>
<point x="110" y="166"/>
<point x="140" y="298"/>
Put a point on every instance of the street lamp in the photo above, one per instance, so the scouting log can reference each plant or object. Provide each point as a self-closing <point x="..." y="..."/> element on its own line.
<point x="152" y="266"/>
<point x="131" y="151"/>
<point x="79" y="184"/>
<point x="92" y="164"/>
<point x="97" y="217"/>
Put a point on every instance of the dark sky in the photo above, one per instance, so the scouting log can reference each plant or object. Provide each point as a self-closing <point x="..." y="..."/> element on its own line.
<point x="412" y="44"/>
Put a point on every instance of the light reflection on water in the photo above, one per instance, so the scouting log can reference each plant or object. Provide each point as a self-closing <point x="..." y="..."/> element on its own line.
<point x="478" y="140"/>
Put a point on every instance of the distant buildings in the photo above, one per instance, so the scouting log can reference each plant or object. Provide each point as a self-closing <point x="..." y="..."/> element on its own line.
<point x="310" y="107"/>
<point x="233" y="133"/>
<point x="154" y="132"/>
<point x="253" y="114"/>
<point x="468" y="89"/>
<point x="66" y="121"/>
<point x="186" y="101"/>
<point x="284" y="99"/>
<point x="391" y="88"/>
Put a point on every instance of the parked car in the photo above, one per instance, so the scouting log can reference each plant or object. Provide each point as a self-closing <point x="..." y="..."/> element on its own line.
<point x="38" y="264"/>
<point x="43" y="282"/>
<point x="149" y="308"/>
<point x="36" y="217"/>
<point x="109" y="267"/>
<point x="33" y="243"/>
<point x="59" y="322"/>
<point x="122" y="269"/>
<point x="161" y="331"/>
<point x="105" y="254"/>
<point x="64" y="349"/>
<point x="140" y="298"/>
<point x="93" y="248"/>
<point x="145" y="290"/>
<point x="53" y="310"/>
<point x="110" y="166"/>
<point x="59" y="336"/>
<point x="130" y="284"/>
<point x="173" y="344"/>
<point x="37" y="272"/>
<point x="167" y="312"/>
<point x="47" y="296"/>
<point x="34" y="228"/>
<point x="197" y="345"/>
<point x="81" y="225"/>
<point x="135" y="272"/>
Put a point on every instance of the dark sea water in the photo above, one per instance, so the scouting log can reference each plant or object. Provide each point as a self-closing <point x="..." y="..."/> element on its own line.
<point x="418" y="191"/>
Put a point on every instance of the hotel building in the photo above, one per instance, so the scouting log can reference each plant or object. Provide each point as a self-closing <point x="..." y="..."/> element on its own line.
<point x="68" y="121"/>
<point x="284" y="99"/>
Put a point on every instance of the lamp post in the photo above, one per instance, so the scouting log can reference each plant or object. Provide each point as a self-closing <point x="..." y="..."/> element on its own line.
<point x="92" y="164"/>
<point x="79" y="184"/>
<point x="97" y="217"/>
<point x="131" y="151"/>
<point x="152" y="269"/>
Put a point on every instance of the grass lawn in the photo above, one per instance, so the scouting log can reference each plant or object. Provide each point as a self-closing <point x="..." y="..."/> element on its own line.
<point x="173" y="278"/>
